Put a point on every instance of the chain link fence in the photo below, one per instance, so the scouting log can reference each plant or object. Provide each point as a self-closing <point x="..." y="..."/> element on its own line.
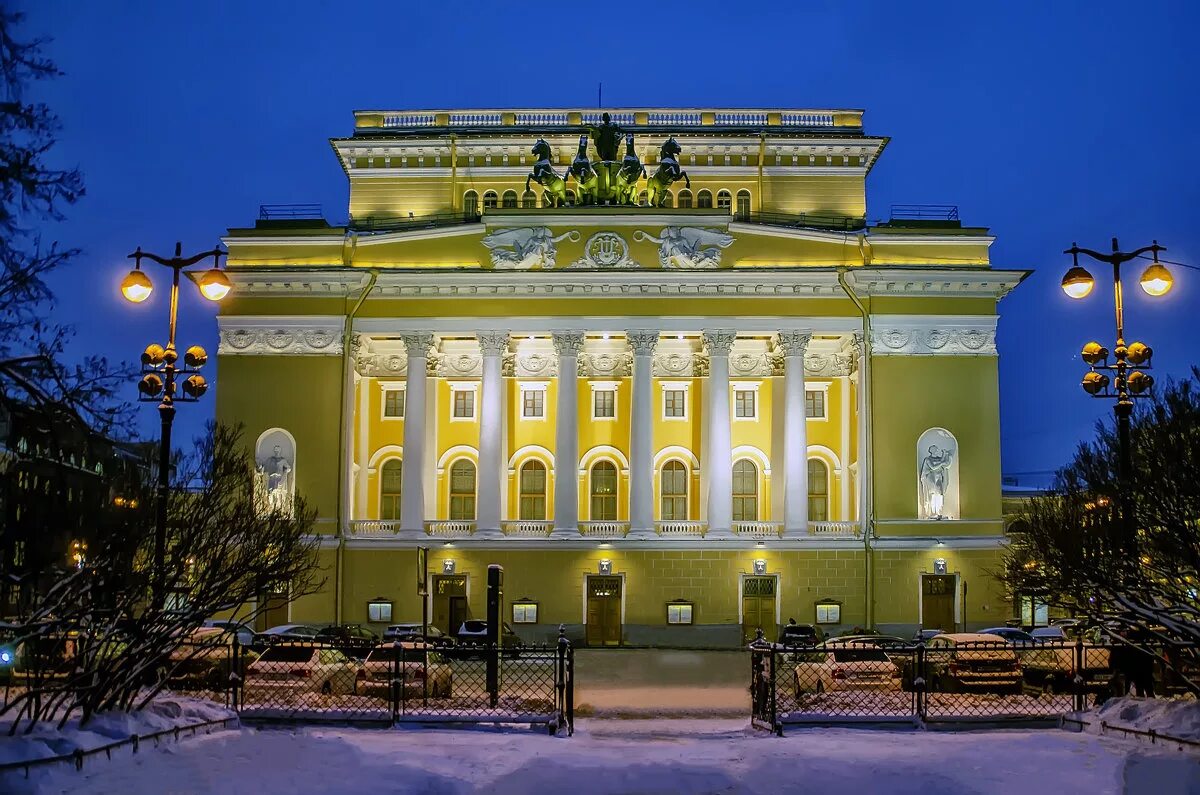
<point x="950" y="679"/>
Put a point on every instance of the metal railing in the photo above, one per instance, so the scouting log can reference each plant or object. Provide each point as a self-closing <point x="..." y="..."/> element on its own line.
<point x="885" y="680"/>
<point x="559" y="117"/>
<point x="289" y="212"/>
<point x="818" y="221"/>
<point x="408" y="223"/>
<point x="924" y="212"/>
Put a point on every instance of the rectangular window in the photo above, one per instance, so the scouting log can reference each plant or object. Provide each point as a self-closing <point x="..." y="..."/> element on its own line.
<point x="524" y="613"/>
<point x="379" y="612"/>
<point x="675" y="403"/>
<point x="679" y="613"/>
<point x="533" y="403"/>
<point x="814" y="404"/>
<point x="604" y="404"/>
<point x="464" y="404"/>
<point x="744" y="404"/>
<point x="393" y="403"/>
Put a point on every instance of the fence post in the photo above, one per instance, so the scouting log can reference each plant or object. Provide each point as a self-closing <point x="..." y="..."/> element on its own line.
<point x="234" y="667"/>
<point x="771" y="685"/>
<point x="570" y="689"/>
<point x="919" y="680"/>
<point x="1077" y="679"/>
<point x="560" y="685"/>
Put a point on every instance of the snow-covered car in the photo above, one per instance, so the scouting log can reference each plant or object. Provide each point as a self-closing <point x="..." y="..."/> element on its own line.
<point x="925" y="635"/>
<point x="972" y="661"/>
<point x="425" y="671"/>
<point x="284" y="632"/>
<point x="1054" y="633"/>
<point x="411" y="633"/>
<point x="1017" y="637"/>
<point x="350" y="639"/>
<point x="301" y="668"/>
<point x="845" y="666"/>
<point x="243" y="633"/>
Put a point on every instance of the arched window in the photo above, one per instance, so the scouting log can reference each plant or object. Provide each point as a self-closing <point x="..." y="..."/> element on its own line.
<point x="509" y="200"/>
<point x="743" y="204"/>
<point x="390" y="481"/>
<point x="668" y="199"/>
<point x="818" y="490"/>
<point x="673" y="492"/>
<point x="703" y="199"/>
<point x="528" y="200"/>
<point x="745" y="491"/>
<point x="724" y="199"/>
<point x="462" y="490"/>
<point x="533" y="490"/>
<point x="603" y="484"/>
<point x="470" y="204"/>
<point x="490" y="200"/>
<point x="685" y="199"/>
<point x="571" y="198"/>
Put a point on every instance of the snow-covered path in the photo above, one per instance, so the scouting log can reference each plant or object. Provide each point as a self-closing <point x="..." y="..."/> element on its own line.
<point x="629" y="756"/>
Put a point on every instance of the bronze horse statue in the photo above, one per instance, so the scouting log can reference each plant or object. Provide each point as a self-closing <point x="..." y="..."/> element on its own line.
<point x="631" y="171"/>
<point x="585" y="175"/>
<point x="668" y="171"/>
<point x="545" y="175"/>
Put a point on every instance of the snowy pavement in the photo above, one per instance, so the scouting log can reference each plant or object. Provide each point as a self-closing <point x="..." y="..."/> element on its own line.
<point x="631" y="756"/>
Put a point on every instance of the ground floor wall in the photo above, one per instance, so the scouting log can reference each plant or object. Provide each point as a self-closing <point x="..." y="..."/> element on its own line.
<point x="726" y="592"/>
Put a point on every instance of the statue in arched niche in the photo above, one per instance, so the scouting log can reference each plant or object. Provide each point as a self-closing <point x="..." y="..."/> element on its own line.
<point x="937" y="475"/>
<point x="275" y="473"/>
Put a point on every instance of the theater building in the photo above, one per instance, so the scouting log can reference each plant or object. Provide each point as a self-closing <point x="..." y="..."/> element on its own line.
<point x="657" y="363"/>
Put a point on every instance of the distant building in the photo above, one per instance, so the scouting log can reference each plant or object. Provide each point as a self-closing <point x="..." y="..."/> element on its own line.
<point x="675" y="411"/>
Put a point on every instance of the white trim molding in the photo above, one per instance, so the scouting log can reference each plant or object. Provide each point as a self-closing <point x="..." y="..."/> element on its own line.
<point x="280" y="336"/>
<point x="933" y="335"/>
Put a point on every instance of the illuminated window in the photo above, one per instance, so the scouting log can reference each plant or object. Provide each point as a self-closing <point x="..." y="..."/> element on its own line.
<point x="393" y="403"/>
<point x="743" y="204"/>
<point x="604" y="492"/>
<point x="745" y="491"/>
<point x="744" y="403"/>
<point x="524" y="612"/>
<point x="470" y="203"/>
<point x="818" y="490"/>
<point x="464" y="404"/>
<point x="604" y="404"/>
<point x="533" y="403"/>
<point x="509" y="201"/>
<point x="390" y="481"/>
<point x="490" y="200"/>
<point x="675" y="403"/>
<point x="814" y="404"/>
<point x="533" y="490"/>
<point x="462" y="490"/>
<point x="674" y="492"/>
<point x="679" y="612"/>
<point x="529" y="200"/>
<point x="685" y="199"/>
<point x="703" y="199"/>
<point x="724" y="199"/>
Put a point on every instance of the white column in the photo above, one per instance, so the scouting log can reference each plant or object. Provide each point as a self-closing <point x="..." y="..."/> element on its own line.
<point x="793" y="344"/>
<point x="641" y="443"/>
<point x="418" y="345"/>
<point x="567" y="344"/>
<point x="492" y="470"/>
<point x="363" y="456"/>
<point x="719" y="467"/>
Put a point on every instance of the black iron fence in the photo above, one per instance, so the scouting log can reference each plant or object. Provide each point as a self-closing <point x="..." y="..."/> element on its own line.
<point x="876" y="681"/>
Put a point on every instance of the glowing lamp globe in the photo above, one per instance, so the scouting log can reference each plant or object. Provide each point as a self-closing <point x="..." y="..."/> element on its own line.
<point x="1077" y="282"/>
<point x="214" y="284"/>
<point x="136" y="287"/>
<point x="1157" y="280"/>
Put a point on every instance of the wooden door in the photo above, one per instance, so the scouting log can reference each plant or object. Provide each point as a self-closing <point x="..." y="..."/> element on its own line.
<point x="758" y="608"/>
<point x="603" y="611"/>
<point x="937" y="602"/>
<point x="449" y="602"/>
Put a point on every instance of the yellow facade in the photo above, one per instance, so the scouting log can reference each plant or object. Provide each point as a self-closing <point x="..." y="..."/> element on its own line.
<point x="766" y="388"/>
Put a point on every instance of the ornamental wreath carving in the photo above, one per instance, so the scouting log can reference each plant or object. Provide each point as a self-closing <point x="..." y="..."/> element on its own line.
<point x="604" y="251"/>
<point x="289" y="340"/>
<point x="937" y="341"/>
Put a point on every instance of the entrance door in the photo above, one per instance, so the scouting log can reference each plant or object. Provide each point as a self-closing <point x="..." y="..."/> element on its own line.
<point x="937" y="601"/>
<point x="758" y="608"/>
<point x="603" y="611"/>
<point x="449" y="602"/>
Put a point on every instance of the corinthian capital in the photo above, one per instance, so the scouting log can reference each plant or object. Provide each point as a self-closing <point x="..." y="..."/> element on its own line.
<point x="567" y="343"/>
<point x="492" y="343"/>
<point x="718" y="341"/>
<point x="642" y="341"/>
<point x="417" y="343"/>
<point x="793" y="342"/>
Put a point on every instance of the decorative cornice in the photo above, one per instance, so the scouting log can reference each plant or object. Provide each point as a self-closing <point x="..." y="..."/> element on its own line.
<point x="926" y="335"/>
<point x="282" y="336"/>
<point x="567" y="343"/>
<point x="642" y="341"/>
<point x="793" y="342"/>
<point x="718" y="342"/>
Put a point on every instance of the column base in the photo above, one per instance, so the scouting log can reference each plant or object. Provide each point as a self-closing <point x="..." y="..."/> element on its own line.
<point x="481" y="532"/>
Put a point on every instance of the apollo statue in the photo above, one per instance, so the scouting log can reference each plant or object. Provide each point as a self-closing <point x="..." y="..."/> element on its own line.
<point x="935" y="481"/>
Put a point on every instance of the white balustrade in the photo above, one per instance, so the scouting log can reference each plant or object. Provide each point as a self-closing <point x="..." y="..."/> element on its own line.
<point x="527" y="528"/>
<point x="372" y="528"/>
<point x="833" y="529"/>
<point x="603" y="529"/>
<point x="560" y="117"/>
<point x="450" y="529"/>
<point x="758" y="529"/>
<point x="681" y="529"/>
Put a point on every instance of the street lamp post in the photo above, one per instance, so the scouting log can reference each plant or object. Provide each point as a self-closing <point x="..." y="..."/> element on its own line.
<point x="1129" y="377"/>
<point x="159" y="372"/>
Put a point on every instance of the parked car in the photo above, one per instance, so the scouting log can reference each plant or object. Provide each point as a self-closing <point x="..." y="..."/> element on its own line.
<point x="204" y="659"/>
<point x="411" y="633"/>
<point x="243" y="633"/>
<point x="882" y="641"/>
<point x="800" y="635"/>
<point x="314" y="669"/>
<point x="284" y="632"/>
<point x="425" y="671"/>
<point x="925" y="635"/>
<point x="473" y="632"/>
<point x="971" y="661"/>
<point x="1015" y="636"/>
<point x="839" y="665"/>
<point x="350" y="639"/>
<point x="1052" y="634"/>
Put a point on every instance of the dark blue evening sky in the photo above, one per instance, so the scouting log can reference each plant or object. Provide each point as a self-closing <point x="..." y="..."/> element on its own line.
<point x="1048" y="122"/>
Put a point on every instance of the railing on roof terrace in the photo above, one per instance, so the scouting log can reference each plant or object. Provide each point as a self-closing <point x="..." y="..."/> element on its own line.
<point x="804" y="220"/>
<point x="925" y="212"/>
<point x="400" y="223"/>
<point x="558" y="117"/>
<point x="279" y="212"/>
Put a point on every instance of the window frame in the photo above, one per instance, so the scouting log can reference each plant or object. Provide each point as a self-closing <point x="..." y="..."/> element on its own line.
<point x="741" y="498"/>
<point x="671" y="387"/>
<point x="701" y="196"/>
<point x="608" y="387"/>
<point x="675" y="465"/>
<point x="685" y="194"/>
<point x="508" y="196"/>
<point x="493" y="197"/>
<point x="385" y="495"/>
<point x="526" y="388"/>
<point x="593" y="495"/>
<point x="455" y="390"/>
<point x="386" y="389"/>
<point x="471" y="202"/>
<point x="738" y="212"/>
<point x="822" y="388"/>
<point x="742" y="387"/>
<point x="537" y="498"/>
<point x="724" y="195"/>
<point x="825" y="496"/>
<point x="462" y="496"/>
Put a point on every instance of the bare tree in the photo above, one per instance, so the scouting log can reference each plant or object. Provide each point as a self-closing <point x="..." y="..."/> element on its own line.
<point x="114" y="648"/>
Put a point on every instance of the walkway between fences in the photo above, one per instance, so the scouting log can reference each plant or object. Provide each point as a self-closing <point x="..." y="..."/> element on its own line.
<point x="945" y="680"/>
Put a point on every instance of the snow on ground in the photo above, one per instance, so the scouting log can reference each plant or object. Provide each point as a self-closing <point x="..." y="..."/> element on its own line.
<point x="1175" y="717"/>
<point x="167" y="711"/>
<point x="630" y="756"/>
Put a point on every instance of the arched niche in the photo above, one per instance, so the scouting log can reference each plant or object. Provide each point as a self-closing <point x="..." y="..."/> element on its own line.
<point x="275" y="472"/>
<point x="937" y="475"/>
